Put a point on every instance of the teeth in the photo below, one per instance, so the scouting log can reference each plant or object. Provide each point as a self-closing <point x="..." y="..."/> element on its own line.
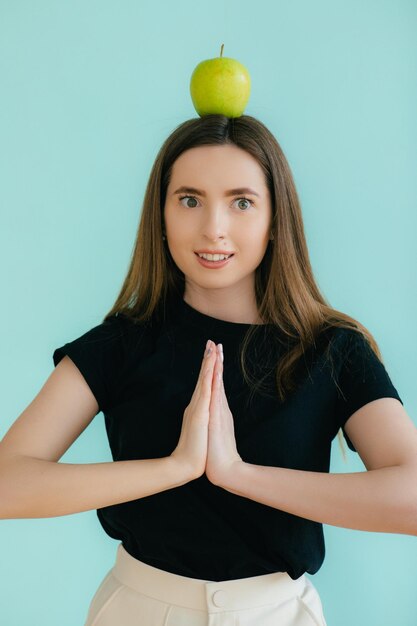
<point x="214" y="257"/>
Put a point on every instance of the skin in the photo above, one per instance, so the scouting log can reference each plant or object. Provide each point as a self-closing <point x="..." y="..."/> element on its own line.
<point x="34" y="484"/>
<point x="218" y="222"/>
<point x="382" y="499"/>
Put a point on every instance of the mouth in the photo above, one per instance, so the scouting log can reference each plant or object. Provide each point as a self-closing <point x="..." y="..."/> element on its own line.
<point x="213" y="264"/>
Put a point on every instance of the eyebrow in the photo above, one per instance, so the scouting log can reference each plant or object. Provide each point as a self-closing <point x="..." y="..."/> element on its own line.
<point x="230" y="192"/>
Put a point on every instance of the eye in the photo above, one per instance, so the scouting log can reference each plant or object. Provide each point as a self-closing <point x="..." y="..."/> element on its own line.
<point x="251" y="202"/>
<point x="183" y="198"/>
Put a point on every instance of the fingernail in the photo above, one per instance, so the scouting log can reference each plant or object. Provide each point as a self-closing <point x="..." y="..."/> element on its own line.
<point x="208" y="348"/>
<point x="221" y="351"/>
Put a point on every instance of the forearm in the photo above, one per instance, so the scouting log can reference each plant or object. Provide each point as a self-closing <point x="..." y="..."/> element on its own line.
<point x="379" y="500"/>
<point x="32" y="488"/>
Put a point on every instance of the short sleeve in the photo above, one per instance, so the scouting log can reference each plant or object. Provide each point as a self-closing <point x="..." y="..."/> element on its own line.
<point x="99" y="354"/>
<point x="362" y="379"/>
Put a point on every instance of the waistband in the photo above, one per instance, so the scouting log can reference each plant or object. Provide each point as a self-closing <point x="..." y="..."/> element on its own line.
<point x="207" y="595"/>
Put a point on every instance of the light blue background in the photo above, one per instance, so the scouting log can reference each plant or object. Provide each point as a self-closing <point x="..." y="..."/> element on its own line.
<point x="89" y="91"/>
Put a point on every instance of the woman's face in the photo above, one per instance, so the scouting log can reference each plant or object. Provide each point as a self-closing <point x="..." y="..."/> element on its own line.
<point x="201" y="213"/>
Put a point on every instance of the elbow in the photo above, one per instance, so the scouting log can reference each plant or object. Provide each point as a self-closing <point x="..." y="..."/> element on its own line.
<point x="407" y="516"/>
<point x="8" y="490"/>
<point x="412" y="521"/>
<point x="6" y="502"/>
<point x="400" y="519"/>
<point x="413" y="517"/>
<point x="5" y="510"/>
<point x="412" y="513"/>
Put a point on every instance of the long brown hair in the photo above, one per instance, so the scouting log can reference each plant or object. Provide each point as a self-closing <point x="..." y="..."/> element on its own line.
<point x="286" y="292"/>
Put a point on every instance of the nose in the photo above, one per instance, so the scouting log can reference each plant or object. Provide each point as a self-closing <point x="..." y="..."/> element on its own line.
<point x="215" y="224"/>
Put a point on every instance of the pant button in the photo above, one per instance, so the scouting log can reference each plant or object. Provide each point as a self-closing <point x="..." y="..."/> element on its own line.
<point x="220" y="598"/>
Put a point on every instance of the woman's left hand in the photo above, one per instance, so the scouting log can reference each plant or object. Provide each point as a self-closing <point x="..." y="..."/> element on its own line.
<point x="222" y="454"/>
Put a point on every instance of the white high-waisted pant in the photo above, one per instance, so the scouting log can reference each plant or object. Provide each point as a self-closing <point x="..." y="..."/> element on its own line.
<point x="136" y="594"/>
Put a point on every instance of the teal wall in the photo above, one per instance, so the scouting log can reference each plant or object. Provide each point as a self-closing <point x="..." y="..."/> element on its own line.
<point x="89" y="91"/>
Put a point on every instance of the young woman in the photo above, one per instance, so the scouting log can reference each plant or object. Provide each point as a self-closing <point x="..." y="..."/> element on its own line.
<point x="220" y="482"/>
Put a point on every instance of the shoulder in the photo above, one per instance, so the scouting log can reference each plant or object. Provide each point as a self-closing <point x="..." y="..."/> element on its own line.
<point x="336" y="346"/>
<point x="110" y="329"/>
<point x="114" y="332"/>
<point x="126" y="328"/>
<point x="343" y="338"/>
<point x="355" y="354"/>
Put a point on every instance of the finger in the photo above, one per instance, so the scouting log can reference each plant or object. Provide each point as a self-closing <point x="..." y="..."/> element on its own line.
<point x="221" y="359"/>
<point x="208" y="357"/>
<point x="208" y="351"/>
<point x="205" y="386"/>
<point x="218" y="374"/>
<point x="207" y="363"/>
<point x="215" y="403"/>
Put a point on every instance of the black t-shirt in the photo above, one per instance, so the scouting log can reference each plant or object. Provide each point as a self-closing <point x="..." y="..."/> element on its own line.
<point x="143" y="377"/>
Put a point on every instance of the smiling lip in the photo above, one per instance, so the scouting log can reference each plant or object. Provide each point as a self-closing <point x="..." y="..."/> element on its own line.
<point x="213" y="264"/>
<point x="214" y="251"/>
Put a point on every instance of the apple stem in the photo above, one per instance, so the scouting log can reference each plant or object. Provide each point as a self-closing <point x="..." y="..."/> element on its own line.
<point x="221" y="50"/>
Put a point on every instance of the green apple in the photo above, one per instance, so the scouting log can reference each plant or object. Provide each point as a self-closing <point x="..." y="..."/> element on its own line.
<point x="220" y="85"/>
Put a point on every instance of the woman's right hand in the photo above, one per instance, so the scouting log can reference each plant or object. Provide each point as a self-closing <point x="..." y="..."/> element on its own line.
<point x="191" y="450"/>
